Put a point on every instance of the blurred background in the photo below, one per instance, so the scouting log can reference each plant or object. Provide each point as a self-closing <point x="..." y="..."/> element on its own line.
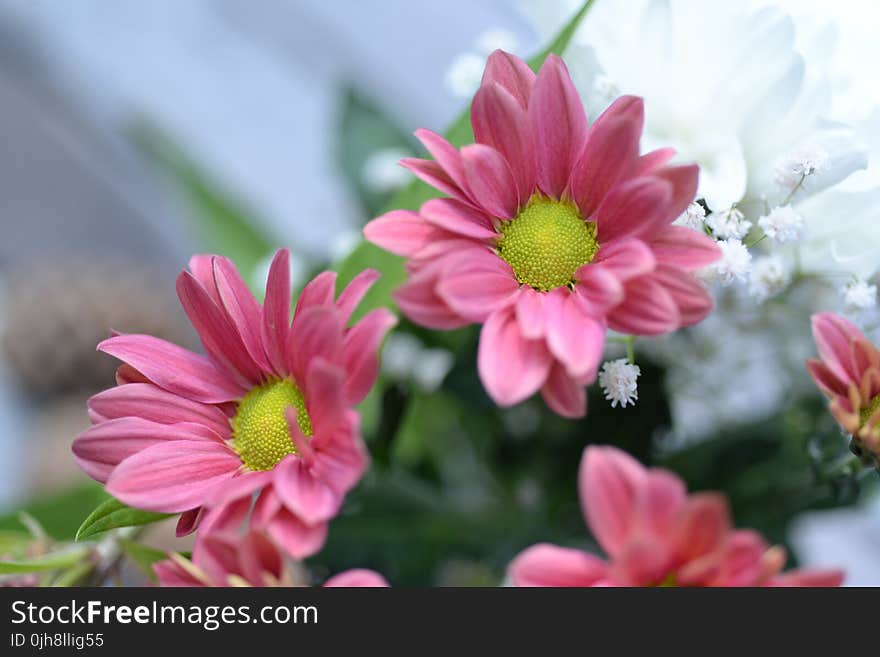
<point x="137" y="133"/>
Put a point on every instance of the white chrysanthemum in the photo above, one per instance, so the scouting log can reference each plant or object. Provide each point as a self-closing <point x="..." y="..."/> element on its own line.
<point x="858" y="295"/>
<point x="729" y="224"/>
<point x="618" y="380"/>
<point x="694" y="217"/>
<point x="382" y="171"/>
<point x="733" y="265"/>
<point x="769" y="276"/>
<point x="782" y="224"/>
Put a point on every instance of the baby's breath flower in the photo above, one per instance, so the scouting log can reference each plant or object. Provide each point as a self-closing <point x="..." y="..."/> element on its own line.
<point x="782" y="224"/>
<point x="618" y="382"/>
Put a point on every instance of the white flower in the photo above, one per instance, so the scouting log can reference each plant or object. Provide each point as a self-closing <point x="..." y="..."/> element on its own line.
<point x="464" y="74"/>
<point x="734" y="264"/>
<point x="382" y="171"/>
<point x="730" y="224"/>
<point x="769" y="276"/>
<point x="618" y="382"/>
<point x="792" y="170"/>
<point x="859" y="296"/>
<point x="693" y="217"/>
<point x="782" y="224"/>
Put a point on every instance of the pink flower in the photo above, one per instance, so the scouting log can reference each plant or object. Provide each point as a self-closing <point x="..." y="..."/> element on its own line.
<point x="848" y="372"/>
<point x="655" y="534"/>
<point x="251" y="559"/>
<point x="552" y="231"/>
<point x="268" y="410"/>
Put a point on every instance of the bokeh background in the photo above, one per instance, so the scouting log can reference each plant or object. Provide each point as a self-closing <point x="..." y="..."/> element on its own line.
<point x="135" y="133"/>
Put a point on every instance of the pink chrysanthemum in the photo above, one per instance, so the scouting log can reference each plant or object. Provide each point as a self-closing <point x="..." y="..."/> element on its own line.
<point x="848" y="372"/>
<point x="268" y="409"/>
<point x="251" y="559"/>
<point x="554" y="230"/>
<point x="655" y="534"/>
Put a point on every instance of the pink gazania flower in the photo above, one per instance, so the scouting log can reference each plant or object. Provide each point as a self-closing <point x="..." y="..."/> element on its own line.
<point x="251" y="559"/>
<point x="268" y="410"/>
<point x="655" y="534"/>
<point x="552" y="231"/>
<point x="848" y="372"/>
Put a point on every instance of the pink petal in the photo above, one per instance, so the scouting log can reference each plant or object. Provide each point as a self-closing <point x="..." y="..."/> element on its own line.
<point x="172" y="574"/>
<point x="827" y="381"/>
<point x="563" y="394"/>
<point x="172" y="477"/>
<point x="550" y="565"/>
<point x="501" y="122"/>
<point x="300" y="441"/>
<point x="642" y="561"/>
<point x="298" y="539"/>
<point x="360" y="352"/>
<point x="100" y="449"/>
<point x="650" y="162"/>
<point x="276" y="312"/>
<point x="626" y="258"/>
<point x="476" y="289"/>
<point x="810" y="577"/>
<point x="559" y="126"/>
<point x="401" y="232"/>
<point x="259" y="559"/>
<point x="150" y="402"/>
<point x="511" y="367"/>
<point x="684" y="247"/>
<point x="597" y="290"/>
<point x="189" y="521"/>
<point x="241" y="308"/>
<point x="449" y="159"/>
<point x="351" y="297"/>
<point x="341" y="458"/>
<point x="628" y="108"/>
<point x="512" y="73"/>
<point x="610" y="485"/>
<point x="833" y="335"/>
<point x="357" y="578"/>
<point x="490" y="180"/>
<point x="703" y="525"/>
<point x="458" y="218"/>
<point x="319" y="292"/>
<point x="419" y="301"/>
<point x="530" y="312"/>
<point x="648" y="309"/>
<point x="632" y="209"/>
<point x="304" y="495"/>
<point x="325" y="396"/>
<point x="576" y="339"/>
<point x="684" y="180"/>
<point x="202" y="267"/>
<point x="174" y="368"/>
<point x="217" y="555"/>
<point x="661" y="499"/>
<point x="692" y="299"/>
<point x="433" y="174"/>
<point x="316" y="332"/>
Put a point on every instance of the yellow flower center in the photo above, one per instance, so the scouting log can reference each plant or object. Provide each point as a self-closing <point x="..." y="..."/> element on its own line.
<point x="547" y="242"/>
<point x="259" y="429"/>
<point x="869" y="410"/>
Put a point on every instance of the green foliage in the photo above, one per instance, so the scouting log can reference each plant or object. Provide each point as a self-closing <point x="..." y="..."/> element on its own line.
<point x="59" y="513"/>
<point x="113" y="514"/>
<point x="65" y="558"/>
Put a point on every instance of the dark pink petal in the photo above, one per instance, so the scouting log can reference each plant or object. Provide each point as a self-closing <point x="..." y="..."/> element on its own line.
<point x="276" y="312"/>
<point x="610" y="155"/>
<point x="259" y="559"/>
<point x="242" y="309"/>
<point x="632" y="209"/>
<point x="833" y="335"/>
<point x="559" y="126"/>
<point x="357" y="578"/>
<point x="304" y="495"/>
<point x="597" y="290"/>
<point x="650" y="162"/>
<point x="449" y="159"/>
<point x="316" y="332"/>
<point x="575" y="339"/>
<point x="401" y="232"/>
<point x="174" y="476"/>
<point x="325" y="394"/>
<point x="490" y="180"/>
<point x="227" y="517"/>
<point x="501" y="122"/>
<point x="628" y="108"/>
<point x="827" y="381"/>
<point x="219" y="337"/>
<point x="648" y="309"/>
<point x="430" y="172"/>
<point x="318" y="292"/>
<point x="265" y="508"/>
<point x="150" y="402"/>
<point x="684" y="247"/>
<point x="458" y="218"/>
<point x="511" y="367"/>
<point x="351" y="297"/>
<point x="174" y="368"/>
<point x="241" y="487"/>
<point x="550" y="565"/>
<point x="610" y="482"/>
<point x="360" y="352"/>
<point x="100" y="449"/>
<point x="476" y="289"/>
<point x="530" y="312"/>
<point x="626" y="259"/>
<point x="684" y="180"/>
<point x="692" y="299"/>
<point x="217" y="555"/>
<point x="298" y="539"/>
<point x="340" y="458"/>
<point x="189" y="521"/>
<point x="563" y="394"/>
<point x="512" y="73"/>
<point x="202" y="267"/>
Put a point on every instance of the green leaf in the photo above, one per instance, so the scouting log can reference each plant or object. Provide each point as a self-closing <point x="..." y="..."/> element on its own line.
<point x="142" y="555"/>
<point x="57" y="514"/>
<point x="63" y="559"/>
<point x="113" y="514"/>
<point x="413" y="195"/>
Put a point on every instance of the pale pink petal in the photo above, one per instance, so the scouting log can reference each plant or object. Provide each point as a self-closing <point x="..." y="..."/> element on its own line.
<point x="684" y="247"/>
<point x="642" y="561"/>
<point x="276" y="312"/>
<point x="242" y="309"/>
<point x="490" y="180"/>
<point x="303" y="494"/>
<point x="172" y="477"/>
<point x="360" y="352"/>
<point x="300" y="441"/>
<point x="511" y="367"/>
<point x="357" y="578"/>
<point x="598" y="289"/>
<point x="433" y="174"/>
<point x="833" y="335"/>
<point x="174" y="368"/>
<point x="559" y="126"/>
<point x="610" y="482"/>
<point x="458" y="218"/>
<point x="563" y="394"/>
<point x="351" y="297"/>
<point x="150" y="402"/>
<point x="449" y="159"/>
<point x="692" y="299"/>
<point x="703" y="525"/>
<point x="401" y="232"/>
<point x="626" y="258"/>
<point x="512" y="73"/>
<point x="648" y="309"/>
<point x="298" y="539"/>
<point x="632" y="209"/>
<point x="316" y="332"/>
<point x="575" y="339"/>
<point x="530" y="312"/>
<point x="550" y="565"/>
<point x="827" y="381"/>
<point x="500" y="121"/>
<point x="476" y="289"/>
